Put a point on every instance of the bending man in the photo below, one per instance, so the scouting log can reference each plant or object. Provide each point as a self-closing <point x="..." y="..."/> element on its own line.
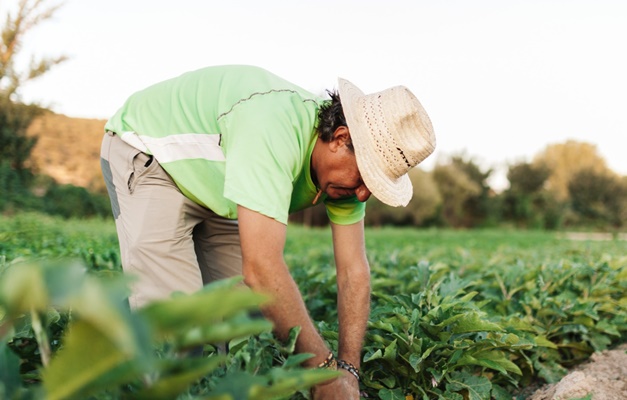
<point x="204" y="169"/>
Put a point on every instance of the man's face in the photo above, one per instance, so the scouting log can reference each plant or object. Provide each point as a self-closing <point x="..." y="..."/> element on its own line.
<point x="338" y="175"/>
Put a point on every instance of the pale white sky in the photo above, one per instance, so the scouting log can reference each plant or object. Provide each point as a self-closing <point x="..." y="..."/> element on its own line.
<point x="500" y="79"/>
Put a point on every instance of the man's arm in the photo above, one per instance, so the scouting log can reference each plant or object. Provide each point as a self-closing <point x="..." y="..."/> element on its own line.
<point x="265" y="270"/>
<point x="353" y="281"/>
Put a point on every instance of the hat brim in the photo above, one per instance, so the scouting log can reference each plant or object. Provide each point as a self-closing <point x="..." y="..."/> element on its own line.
<point x="393" y="192"/>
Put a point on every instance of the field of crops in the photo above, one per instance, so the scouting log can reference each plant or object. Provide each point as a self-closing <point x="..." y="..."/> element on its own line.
<point x="455" y="315"/>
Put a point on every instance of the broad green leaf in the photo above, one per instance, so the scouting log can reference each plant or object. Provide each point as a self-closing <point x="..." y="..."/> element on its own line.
<point x="395" y="394"/>
<point x="451" y="396"/>
<point x="478" y="387"/>
<point x="549" y="370"/>
<point x="39" y="285"/>
<point x="520" y="324"/>
<point x="171" y="385"/>
<point x="285" y="383"/>
<point x="224" y="396"/>
<point x="467" y="297"/>
<point x="415" y="361"/>
<point x="544" y="342"/>
<point x="390" y="380"/>
<point x="498" y="393"/>
<point x="374" y="356"/>
<point x="200" y="308"/>
<point x="451" y="320"/>
<point x="491" y="359"/>
<point x="278" y="382"/>
<point x="472" y="322"/>
<point x="599" y="341"/>
<point x="23" y="288"/>
<point x="236" y="385"/>
<point x="87" y="355"/>
<point x="390" y="352"/>
<point x="296" y="359"/>
<point x="290" y="345"/>
<point x="225" y="331"/>
<point x="99" y="305"/>
<point x="9" y="370"/>
<point x="606" y="327"/>
<point x="382" y="325"/>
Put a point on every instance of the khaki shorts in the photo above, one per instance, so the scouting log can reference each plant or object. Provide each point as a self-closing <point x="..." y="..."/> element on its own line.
<point x="166" y="240"/>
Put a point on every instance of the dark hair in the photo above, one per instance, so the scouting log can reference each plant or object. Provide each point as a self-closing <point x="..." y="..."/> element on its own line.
<point x="330" y="117"/>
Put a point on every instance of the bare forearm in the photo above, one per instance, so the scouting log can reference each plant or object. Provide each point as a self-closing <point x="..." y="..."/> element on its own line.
<point x="287" y="310"/>
<point x="353" y="312"/>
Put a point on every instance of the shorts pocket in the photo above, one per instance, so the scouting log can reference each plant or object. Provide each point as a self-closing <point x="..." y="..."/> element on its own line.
<point x="140" y="164"/>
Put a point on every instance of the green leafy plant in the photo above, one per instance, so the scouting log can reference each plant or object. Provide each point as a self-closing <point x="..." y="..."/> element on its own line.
<point x="105" y="350"/>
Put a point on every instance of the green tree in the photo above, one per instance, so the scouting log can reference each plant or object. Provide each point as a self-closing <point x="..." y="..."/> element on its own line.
<point x="565" y="160"/>
<point x="527" y="202"/>
<point x="422" y="207"/>
<point x="455" y="187"/>
<point x="599" y="198"/>
<point x="479" y="208"/>
<point x="16" y="116"/>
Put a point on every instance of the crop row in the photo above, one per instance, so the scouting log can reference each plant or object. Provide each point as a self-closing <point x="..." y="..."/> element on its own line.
<point x="455" y="314"/>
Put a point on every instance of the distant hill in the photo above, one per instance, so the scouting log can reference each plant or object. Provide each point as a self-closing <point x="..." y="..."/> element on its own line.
<point x="68" y="149"/>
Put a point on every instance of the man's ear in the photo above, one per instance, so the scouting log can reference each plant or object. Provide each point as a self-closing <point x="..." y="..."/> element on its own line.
<point x="341" y="137"/>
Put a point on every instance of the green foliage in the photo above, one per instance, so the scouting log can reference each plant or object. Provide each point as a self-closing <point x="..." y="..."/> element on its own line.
<point x="479" y="209"/>
<point x="527" y="178"/>
<point x="473" y="314"/>
<point x="425" y="203"/>
<point x="599" y="198"/>
<point x="104" y="350"/>
<point x="15" y="117"/>
<point x="456" y="188"/>
<point x="455" y="315"/>
<point x="15" y="145"/>
<point x="74" y="201"/>
<point x="526" y="202"/>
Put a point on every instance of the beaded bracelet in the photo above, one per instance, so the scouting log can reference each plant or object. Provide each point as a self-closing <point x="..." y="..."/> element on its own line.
<point x="329" y="363"/>
<point x="349" y="367"/>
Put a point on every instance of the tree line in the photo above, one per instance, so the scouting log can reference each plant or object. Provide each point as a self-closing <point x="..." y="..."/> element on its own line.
<point x="566" y="185"/>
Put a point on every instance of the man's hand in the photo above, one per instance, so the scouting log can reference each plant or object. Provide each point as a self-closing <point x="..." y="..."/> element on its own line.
<point x="346" y="387"/>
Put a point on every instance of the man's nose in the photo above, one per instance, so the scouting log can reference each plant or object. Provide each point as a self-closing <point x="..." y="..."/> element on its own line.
<point x="362" y="193"/>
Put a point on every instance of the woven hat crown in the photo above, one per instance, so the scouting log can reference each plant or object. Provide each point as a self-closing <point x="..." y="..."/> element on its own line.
<point x="391" y="133"/>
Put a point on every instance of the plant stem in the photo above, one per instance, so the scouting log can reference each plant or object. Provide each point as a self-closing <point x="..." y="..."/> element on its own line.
<point x="42" y="337"/>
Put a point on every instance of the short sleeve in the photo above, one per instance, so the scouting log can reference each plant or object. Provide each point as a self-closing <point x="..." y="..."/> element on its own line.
<point x="263" y="157"/>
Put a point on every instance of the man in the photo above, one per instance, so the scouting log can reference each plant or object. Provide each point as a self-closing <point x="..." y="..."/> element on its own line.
<point x="204" y="169"/>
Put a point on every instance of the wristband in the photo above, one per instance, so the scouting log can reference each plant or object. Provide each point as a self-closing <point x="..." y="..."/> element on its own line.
<point x="349" y="367"/>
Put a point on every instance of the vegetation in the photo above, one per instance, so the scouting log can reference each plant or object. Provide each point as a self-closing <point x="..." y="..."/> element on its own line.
<point x="19" y="186"/>
<point x="455" y="314"/>
<point x="50" y="163"/>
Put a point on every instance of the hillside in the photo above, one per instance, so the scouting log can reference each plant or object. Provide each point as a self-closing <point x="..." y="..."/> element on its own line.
<point x="68" y="149"/>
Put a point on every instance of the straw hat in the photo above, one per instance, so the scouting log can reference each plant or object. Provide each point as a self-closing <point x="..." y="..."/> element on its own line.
<point x="391" y="134"/>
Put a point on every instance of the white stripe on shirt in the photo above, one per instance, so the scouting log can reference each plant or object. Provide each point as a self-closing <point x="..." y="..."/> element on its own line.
<point x="183" y="146"/>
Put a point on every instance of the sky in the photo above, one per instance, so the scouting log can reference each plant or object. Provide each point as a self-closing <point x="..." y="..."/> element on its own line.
<point x="500" y="79"/>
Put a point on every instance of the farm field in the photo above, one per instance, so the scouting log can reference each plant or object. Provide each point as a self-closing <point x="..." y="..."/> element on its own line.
<point x="455" y="314"/>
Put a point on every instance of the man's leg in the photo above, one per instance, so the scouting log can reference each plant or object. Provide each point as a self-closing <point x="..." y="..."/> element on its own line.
<point x="218" y="249"/>
<point x="154" y="222"/>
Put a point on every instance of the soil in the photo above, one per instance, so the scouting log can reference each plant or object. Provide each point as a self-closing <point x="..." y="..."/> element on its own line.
<point x="603" y="377"/>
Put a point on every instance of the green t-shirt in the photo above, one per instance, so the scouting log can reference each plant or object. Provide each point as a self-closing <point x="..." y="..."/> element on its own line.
<point x="232" y="135"/>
